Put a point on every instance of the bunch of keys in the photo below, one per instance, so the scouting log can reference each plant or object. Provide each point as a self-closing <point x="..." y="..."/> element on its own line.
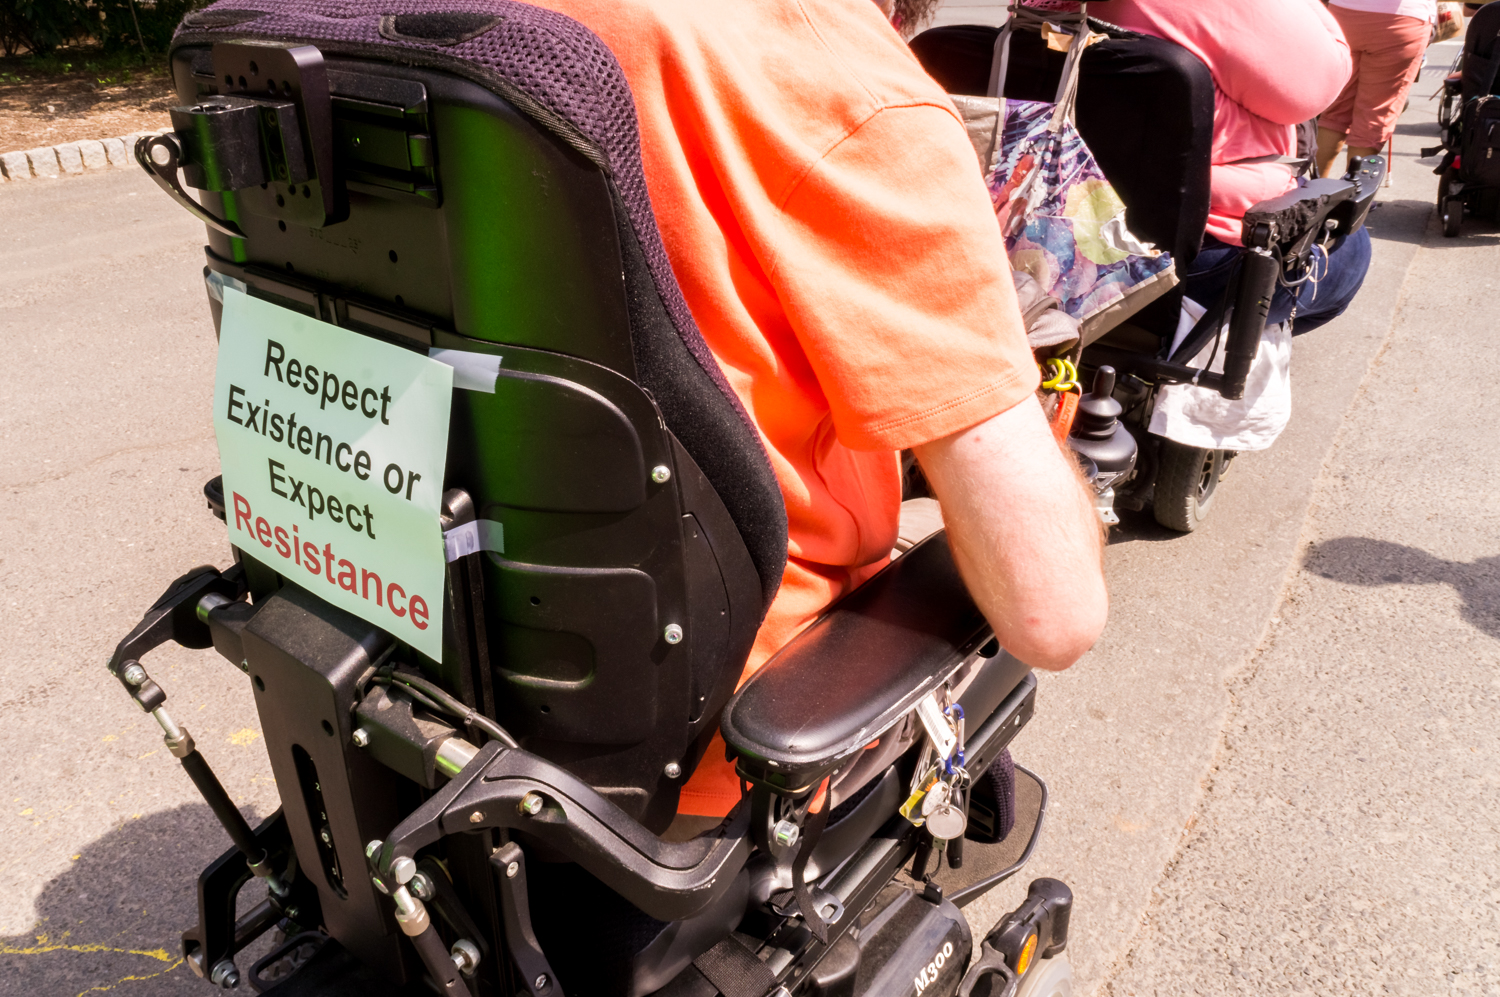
<point x="937" y="798"/>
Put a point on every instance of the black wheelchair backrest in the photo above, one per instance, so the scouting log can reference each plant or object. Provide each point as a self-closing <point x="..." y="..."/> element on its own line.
<point x="1481" y="65"/>
<point x="474" y="182"/>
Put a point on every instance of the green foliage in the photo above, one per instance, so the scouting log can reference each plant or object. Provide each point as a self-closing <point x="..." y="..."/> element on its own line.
<point x="40" y="26"/>
<point x="125" y="25"/>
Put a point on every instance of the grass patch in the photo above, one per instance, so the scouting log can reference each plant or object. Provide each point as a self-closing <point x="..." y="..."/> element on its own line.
<point x="100" y="67"/>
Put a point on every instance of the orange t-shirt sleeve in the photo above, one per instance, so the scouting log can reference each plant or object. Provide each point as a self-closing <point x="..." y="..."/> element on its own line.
<point x="893" y="274"/>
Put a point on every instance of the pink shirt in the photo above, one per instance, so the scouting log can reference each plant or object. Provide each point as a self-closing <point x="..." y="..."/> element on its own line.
<point x="1275" y="63"/>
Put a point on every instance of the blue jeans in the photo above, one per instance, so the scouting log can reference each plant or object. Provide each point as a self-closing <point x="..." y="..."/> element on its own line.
<point x="1316" y="304"/>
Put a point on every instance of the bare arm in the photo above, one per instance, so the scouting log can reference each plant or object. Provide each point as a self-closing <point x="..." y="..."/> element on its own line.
<point x="1024" y="534"/>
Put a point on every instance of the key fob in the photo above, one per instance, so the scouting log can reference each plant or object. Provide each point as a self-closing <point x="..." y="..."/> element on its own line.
<point x="947" y="822"/>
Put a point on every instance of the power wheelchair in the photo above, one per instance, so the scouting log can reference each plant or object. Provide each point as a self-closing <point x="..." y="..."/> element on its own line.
<point x="496" y="820"/>
<point x="1146" y="109"/>
<point x="1469" y="178"/>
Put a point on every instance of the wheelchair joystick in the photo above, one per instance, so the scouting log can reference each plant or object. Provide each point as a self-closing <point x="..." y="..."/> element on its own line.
<point x="1099" y="435"/>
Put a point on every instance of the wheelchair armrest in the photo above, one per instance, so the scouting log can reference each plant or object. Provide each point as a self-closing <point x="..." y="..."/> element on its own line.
<point x="857" y="671"/>
<point x="1296" y="219"/>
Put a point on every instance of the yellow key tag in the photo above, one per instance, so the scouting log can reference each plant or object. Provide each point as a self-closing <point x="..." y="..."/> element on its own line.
<point x="912" y="806"/>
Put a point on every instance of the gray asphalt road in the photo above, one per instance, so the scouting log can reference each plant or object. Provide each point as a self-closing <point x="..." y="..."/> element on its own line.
<point x="1242" y="788"/>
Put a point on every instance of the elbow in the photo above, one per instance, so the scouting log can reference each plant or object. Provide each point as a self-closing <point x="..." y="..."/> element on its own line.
<point x="1055" y="641"/>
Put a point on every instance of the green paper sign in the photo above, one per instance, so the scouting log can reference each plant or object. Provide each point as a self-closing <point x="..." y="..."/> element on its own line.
<point x="333" y="448"/>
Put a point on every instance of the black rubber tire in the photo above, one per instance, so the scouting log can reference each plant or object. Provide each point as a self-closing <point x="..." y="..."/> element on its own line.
<point x="1453" y="217"/>
<point x="1186" y="481"/>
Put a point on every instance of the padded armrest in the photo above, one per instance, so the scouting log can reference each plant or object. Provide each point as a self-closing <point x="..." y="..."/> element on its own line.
<point x="854" y="673"/>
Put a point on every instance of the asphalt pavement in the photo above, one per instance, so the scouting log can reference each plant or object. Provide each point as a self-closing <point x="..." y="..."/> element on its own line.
<point x="1276" y="772"/>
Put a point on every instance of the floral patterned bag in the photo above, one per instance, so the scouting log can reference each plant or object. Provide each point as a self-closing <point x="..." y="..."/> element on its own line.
<point x="1063" y="222"/>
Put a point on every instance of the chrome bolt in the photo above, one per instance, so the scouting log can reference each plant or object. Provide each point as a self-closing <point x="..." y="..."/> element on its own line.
<point x="673" y="770"/>
<point x="477" y="817"/>
<point x="403" y="869"/>
<point x="245" y="665"/>
<point x="372" y="848"/>
<point x="465" y="956"/>
<point x="422" y="886"/>
<point x="531" y="804"/>
<point x="512" y="869"/>
<point x="327" y="838"/>
<point x="134" y="674"/>
<point x="161" y="156"/>
<point x="540" y="983"/>
<point x="787" y="833"/>
<point x="661" y="474"/>
<point x="673" y="634"/>
<point x="225" y="974"/>
<point x="360" y="737"/>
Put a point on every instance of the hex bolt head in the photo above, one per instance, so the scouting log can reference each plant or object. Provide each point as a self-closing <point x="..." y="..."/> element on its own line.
<point x="134" y="674"/>
<point x="512" y="869"/>
<point x="787" y="833"/>
<point x="477" y="817"/>
<point x="360" y="737"/>
<point x="673" y="770"/>
<point x="372" y="848"/>
<point x="531" y="804"/>
<point x="661" y="474"/>
<point x="403" y="869"/>
<point x="540" y="983"/>
<point x="327" y="838"/>
<point x="422" y="887"/>
<point x="673" y="634"/>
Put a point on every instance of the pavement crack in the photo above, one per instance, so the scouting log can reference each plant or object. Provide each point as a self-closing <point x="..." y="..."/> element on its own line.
<point x="122" y="451"/>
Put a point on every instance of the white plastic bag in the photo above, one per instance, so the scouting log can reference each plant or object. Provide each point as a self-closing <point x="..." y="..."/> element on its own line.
<point x="1200" y="417"/>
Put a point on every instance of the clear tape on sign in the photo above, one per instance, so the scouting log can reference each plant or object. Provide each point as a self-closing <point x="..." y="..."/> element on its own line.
<point x="471" y="371"/>
<point x="217" y="282"/>
<point x="482" y="534"/>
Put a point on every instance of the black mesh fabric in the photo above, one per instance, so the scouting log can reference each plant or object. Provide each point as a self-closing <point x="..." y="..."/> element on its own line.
<point x="561" y="75"/>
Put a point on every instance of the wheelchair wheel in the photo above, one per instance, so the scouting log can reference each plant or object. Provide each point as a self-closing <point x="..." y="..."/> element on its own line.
<point x="1048" y="978"/>
<point x="1453" y="216"/>
<point x="1185" y="483"/>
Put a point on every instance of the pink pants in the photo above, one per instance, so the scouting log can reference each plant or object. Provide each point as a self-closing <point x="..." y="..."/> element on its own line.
<point x="1387" y="50"/>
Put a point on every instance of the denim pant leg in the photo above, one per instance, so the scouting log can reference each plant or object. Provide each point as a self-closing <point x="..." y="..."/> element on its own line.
<point x="1316" y="304"/>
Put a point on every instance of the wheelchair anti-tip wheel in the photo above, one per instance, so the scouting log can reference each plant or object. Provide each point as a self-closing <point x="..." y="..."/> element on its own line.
<point x="1186" y="480"/>
<point x="1048" y="978"/>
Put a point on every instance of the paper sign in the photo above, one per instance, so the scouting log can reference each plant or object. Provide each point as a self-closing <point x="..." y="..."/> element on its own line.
<point x="333" y="448"/>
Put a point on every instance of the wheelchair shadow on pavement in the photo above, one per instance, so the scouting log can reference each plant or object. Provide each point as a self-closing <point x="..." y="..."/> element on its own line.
<point x="112" y="921"/>
<point x="1374" y="563"/>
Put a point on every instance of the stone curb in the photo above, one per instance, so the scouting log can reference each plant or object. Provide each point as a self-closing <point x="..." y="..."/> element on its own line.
<point x="70" y="158"/>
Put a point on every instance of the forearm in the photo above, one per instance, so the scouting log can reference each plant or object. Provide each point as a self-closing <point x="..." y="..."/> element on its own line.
<point x="1024" y="534"/>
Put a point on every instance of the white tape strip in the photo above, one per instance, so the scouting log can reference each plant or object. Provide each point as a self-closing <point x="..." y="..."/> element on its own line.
<point x="217" y="282"/>
<point x="471" y="371"/>
<point x="482" y="534"/>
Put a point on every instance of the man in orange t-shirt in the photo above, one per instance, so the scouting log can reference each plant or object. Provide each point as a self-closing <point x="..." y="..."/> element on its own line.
<point x="825" y="216"/>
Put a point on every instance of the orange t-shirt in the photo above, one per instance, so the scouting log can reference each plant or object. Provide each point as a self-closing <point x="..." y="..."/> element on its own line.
<point x="825" y="216"/>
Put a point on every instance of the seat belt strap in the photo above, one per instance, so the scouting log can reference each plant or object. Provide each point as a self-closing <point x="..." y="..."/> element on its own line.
<point x="734" y="970"/>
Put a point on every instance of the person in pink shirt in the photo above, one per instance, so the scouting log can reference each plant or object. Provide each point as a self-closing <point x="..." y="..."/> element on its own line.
<point x="1275" y="65"/>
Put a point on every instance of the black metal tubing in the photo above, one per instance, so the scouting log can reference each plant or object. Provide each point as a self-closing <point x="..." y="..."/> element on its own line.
<point x="1161" y="371"/>
<point x="667" y="880"/>
<point x="1252" y="306"/>
<point x="218" y="800"/>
